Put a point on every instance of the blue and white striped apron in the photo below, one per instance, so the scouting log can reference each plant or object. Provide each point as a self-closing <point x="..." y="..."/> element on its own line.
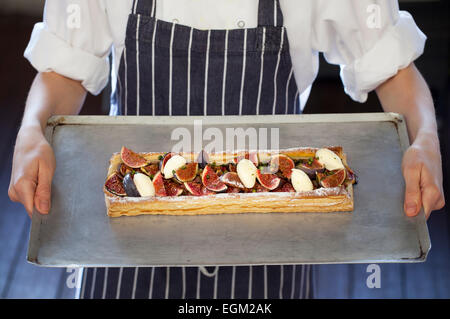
<point x="171" y="69"/>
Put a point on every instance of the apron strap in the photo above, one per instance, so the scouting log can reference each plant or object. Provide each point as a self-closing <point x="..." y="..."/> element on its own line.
<point x="269" y="13"/>
<point x="144" y="7"/>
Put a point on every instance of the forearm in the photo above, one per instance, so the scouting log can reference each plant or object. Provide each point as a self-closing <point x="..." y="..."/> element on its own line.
<point x="407" y="93"/>
<point x="52" y="94"/>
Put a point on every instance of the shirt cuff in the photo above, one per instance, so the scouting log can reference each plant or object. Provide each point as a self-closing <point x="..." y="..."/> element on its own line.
<point x="399" y="46"/>
<point x="47" y="52"/>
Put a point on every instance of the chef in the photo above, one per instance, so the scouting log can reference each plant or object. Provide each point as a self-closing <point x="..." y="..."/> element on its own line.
<point x="220" y="57"/>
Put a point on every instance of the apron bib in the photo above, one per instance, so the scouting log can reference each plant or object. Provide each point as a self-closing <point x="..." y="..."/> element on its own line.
<point x="172" y="69"/>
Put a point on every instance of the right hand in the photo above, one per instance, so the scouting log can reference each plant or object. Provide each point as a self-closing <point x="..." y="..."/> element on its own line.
<point x="32" y="170"/>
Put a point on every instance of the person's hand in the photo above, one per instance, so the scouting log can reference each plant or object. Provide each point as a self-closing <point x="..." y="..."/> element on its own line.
<point x="422" y="170"/>
<point x="32" y="171"/>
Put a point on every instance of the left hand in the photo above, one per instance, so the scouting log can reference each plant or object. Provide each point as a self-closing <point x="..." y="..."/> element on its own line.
<point x="422" y="170"/>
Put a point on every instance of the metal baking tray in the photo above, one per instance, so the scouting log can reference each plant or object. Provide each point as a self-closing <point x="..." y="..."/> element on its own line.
<point x="77" y="231"/>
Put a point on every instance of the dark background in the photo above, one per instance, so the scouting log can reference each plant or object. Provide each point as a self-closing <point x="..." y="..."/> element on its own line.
<point x="431" y="279"/>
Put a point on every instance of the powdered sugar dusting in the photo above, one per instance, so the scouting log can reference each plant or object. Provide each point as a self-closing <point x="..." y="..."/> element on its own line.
<point x="316" y="193"/>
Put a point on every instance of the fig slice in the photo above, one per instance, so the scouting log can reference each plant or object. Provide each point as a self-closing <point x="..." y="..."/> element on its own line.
<point x="124" y="169"/>
<point x="158" y="183"/>
<point x="164" y="160"/>
<point x="150" y="169"/>
<point x="300" y="181"/>
<point x="206" y="191"/>
<point x="172" y="165"/>
<point x="251" y="156"/>
<point x="232" y="167"/>
<point x="285" y="188"/>
<point x="269" y="181"/>
<point x="187" y="173"/>
<point x="130" y="187"/>
<point x="233" y="190"/>
<point x="193" y="188"/>
<point x="329" y="159"/>
<point x="211" y="181"/>
<point x="336" y="178"/>
<point x="257" y="188"/>
<point x="350" y="176"/>
<point x="132" y="159"/>
<point x="246" y="171"/>
<point x="144" y="185"/>
<point x="311" y="167"/>
<point x="173" y="188"/>
<point x="114" y="185"/>
<point x="232" y="179"/>
<point x="283" y="163"/>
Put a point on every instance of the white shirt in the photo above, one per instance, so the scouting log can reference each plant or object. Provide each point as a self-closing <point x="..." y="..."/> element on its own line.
<point x="370" y="39"/>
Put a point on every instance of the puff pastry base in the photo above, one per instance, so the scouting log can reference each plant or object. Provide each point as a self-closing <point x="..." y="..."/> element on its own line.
<point x="319" y="200"/>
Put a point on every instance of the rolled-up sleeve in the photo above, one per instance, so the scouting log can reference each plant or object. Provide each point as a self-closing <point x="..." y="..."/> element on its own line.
<point x="73" y="40"/>
<point x="370" y="40"/>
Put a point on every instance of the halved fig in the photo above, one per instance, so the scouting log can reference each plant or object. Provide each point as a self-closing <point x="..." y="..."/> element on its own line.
<point x="246" y="171"/>
<point x="187" y="173"/>
<point x="172" y="165"/>
<point x="150" y="169"/>
<point x="334" y="180"/>
<point x="211" y="181"/>
<point x="329" y="159"/>
<point x="114" y="185"/>
<point x="311" y="167"/>
<point x="232" y="179"/>
<point x="130" y="187"/>
<point x="144" y="185"/>
<point x="285" y="188"/>
<point x="269" y="181"/>
<point x="158" y="183"/>
<point x="193" y="188"/>
<point x="202" y="159"/>
<point x="300" y="181"/>
<point x="172" y="188"/>
<point x="132" y="159"/>
<point x="124" y="169"/>
<point x="283" y="163"/>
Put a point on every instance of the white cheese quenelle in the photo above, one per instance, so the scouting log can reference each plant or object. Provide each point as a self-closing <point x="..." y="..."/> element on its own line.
<point x="329" y="159"/>
<point x="144" y="185"/>
<point x="174" y="163"/>
<point x="300" y="181"/>
<point x="246" y="171"/>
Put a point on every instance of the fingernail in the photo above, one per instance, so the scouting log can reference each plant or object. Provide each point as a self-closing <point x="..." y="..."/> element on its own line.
<point x="44" y="205"/>
<point x="411" y="208"/>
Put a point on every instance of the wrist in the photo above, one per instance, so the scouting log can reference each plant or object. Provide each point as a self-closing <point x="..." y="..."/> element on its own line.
<point x="429" y="137"/>
<point x="31" y="128"/>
